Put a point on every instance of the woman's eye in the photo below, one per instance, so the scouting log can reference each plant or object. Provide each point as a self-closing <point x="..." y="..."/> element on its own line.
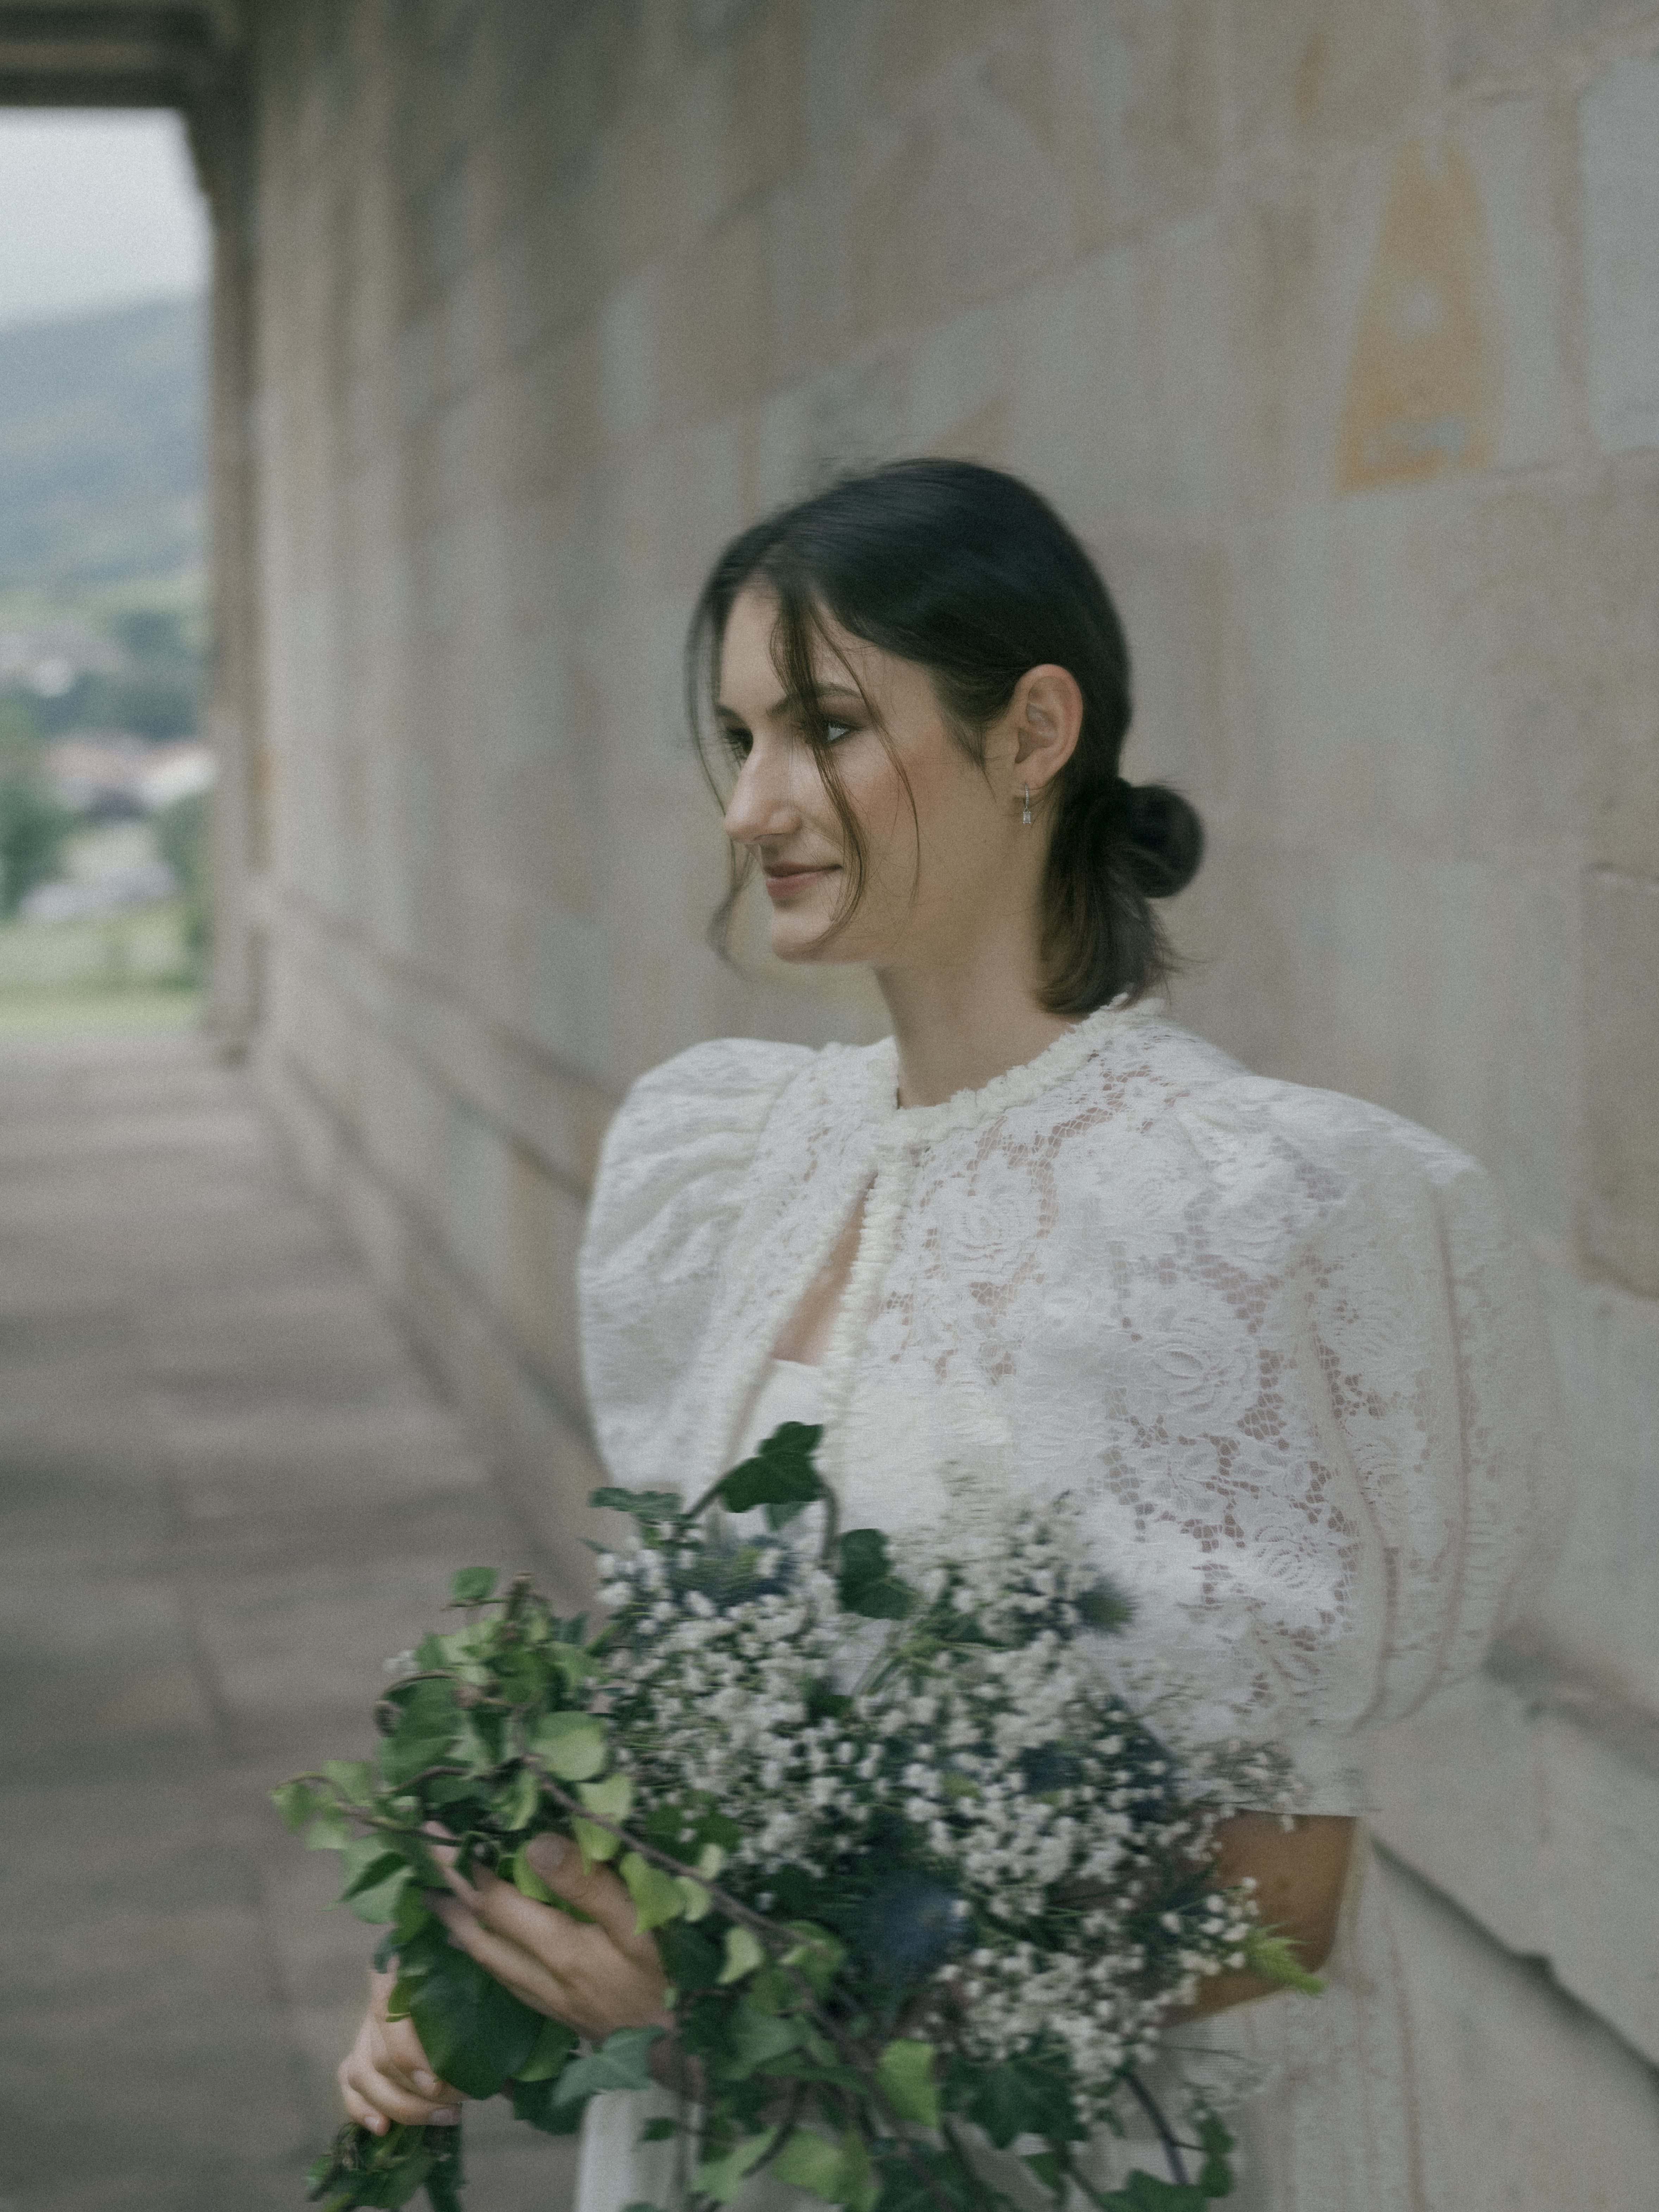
<point x="834" y="731"/>
<point x="738" y="743"/>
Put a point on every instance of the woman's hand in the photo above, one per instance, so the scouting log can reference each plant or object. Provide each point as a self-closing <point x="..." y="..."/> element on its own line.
<point x="384" y="2076"/>
<point x="596" y="1976"/>
<point x="1299" y="1873"/>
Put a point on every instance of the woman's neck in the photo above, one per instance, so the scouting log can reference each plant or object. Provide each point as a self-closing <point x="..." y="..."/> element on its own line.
<point x="960" y="1028"/>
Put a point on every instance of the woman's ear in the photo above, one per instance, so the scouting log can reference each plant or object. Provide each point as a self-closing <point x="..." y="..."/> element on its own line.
<point x="1046" y="713"/>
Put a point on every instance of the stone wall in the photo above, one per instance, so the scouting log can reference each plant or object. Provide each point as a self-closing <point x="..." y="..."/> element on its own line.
<point x="1334" y="324"/>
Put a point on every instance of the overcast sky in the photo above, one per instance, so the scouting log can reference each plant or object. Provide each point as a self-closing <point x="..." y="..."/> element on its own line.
<point x="95" y="209"/>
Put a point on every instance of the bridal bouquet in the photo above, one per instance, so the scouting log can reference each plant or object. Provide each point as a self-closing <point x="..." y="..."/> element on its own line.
<point x="928" y="1890"/>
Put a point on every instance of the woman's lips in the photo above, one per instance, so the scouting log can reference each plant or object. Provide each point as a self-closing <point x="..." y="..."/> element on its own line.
<point x="785" y="883"/>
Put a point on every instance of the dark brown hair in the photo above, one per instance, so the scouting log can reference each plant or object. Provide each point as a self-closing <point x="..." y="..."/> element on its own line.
<point x="971" y="575"/>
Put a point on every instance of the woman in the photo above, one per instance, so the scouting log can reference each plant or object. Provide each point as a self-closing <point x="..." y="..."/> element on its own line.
<point x="1043" y="1240"/>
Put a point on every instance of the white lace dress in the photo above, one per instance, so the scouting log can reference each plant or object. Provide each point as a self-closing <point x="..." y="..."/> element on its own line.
<point x="1279" y="1344"/>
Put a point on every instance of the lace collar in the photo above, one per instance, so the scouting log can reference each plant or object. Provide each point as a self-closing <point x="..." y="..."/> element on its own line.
<point x="905" y="1127"/>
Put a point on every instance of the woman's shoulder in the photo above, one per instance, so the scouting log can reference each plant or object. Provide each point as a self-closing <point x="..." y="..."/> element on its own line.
<point x="1263" y="1140"/>
<point x="715" y="1079"/>
<point x="699" y="1113"/>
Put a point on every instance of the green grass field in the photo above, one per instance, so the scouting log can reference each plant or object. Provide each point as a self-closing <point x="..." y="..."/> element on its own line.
<point x="126" y="970"/>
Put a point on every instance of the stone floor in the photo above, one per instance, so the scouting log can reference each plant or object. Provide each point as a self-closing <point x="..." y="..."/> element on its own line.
<point x="226" y="1490"/>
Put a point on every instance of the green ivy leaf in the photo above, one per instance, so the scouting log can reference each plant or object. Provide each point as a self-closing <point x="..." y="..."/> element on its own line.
<point x="1050" y="2168"/>
<point x="812" y="2162"/>
<point x="474" y="2032"/>
<point x="611" y="1799"/>
<point x="428" y="1719"/>
<point x="865" y="1581"/>
<point x="1216" y="2177"/>
<point x="554" y="2046"/>
<point x="690" y="1955"/>
<point x="537" y="2104"/>
<point x="1021" y="2098"/>
<point x="743" y="1953"/>
<point x="656" y="1895"/>
<point x="472" y="1585"/>
<point x="525" y="1880"/>
<point x="572" y="1745"/>
<point x="754" y="2039"/>
<point x="519" y="1805"/>
<point x="838" y="2171"/>
<point x="622" y="2061"/>
<point x="905" y="2071"/>
<point x="296" y="1801"/>
<point x="640" y="1504"/>
<point x="380" y="1900"/>
<point x="597" y="1844"/>
<point x="331" y="1830"/>
<point x="353" y="1779"/>
<point x="365" y="1861"/>
<point x="723" y="2177"/>
<point x="780" y="1473"/>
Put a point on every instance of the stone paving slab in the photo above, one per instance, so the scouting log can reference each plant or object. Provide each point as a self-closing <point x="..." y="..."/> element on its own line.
<point x="227" y="1492"/>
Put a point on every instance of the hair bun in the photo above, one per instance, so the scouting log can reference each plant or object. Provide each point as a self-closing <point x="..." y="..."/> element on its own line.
<point x="1164" y="835"/>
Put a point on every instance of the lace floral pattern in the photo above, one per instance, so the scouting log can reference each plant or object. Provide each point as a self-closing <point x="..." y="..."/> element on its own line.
<point x="1278" y="1343"/>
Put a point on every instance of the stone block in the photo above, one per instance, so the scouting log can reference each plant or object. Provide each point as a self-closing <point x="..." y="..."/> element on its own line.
<point x="956" y="202"/>
<point x="1621" y="1050"/>
<point x="1304" y="72"/>
<point x="1516" y="150"/>
<point x="1116" y="375"/>
<point x="1620" y="128"/>
<point x="868" y="59"/>
<point x="1501" y="38"/>
<point x="1530" y="2100"/>
<point x="730" y="119"/>
<point x="1129" y="100"/>
<point x="1597" y="1611"/>
<point x="1529" y="1798"/>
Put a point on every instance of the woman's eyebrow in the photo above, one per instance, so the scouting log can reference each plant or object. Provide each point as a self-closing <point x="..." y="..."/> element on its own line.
<point x="792" y="702"/>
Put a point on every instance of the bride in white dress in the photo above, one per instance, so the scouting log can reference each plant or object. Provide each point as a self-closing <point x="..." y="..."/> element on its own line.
<point x="1277" y="1343"/>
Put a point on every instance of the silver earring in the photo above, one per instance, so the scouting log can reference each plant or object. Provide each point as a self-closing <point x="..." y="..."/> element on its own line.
<point x="1026" y="811"/>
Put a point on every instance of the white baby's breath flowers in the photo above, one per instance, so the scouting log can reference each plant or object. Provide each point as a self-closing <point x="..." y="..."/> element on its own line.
<point x="1070" y="1839"/>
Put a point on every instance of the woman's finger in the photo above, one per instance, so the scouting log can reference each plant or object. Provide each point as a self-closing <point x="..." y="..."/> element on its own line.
<point x="371" y="2097"/>
<point x="395" y="2052"/>
<point x="446" y="1853"/>
<point x="520" y="1971"/>
<point x="594" y="1890"/>
<point x="547" y="1933"/>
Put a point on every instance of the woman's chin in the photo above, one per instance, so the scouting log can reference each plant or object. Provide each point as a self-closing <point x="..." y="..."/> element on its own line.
<point x="804" y="941"/>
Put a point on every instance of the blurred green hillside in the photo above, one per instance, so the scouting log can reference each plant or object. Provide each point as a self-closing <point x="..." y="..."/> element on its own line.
<point x="101" y="431"/>
<point x="102" y="631"/>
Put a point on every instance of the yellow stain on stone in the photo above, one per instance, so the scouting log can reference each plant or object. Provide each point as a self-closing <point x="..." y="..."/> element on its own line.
<point x="1427" y="374"/>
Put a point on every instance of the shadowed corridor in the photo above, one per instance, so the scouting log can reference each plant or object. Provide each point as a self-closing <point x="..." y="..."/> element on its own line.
<point x="226" y="1491"/>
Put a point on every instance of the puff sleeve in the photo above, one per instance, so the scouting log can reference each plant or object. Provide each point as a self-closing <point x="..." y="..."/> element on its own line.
<point x="1394" y="1483"/>
<point x="665" y="1204"/>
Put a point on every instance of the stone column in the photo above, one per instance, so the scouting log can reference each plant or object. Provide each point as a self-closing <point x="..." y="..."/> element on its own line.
<point x="223" y="141"/>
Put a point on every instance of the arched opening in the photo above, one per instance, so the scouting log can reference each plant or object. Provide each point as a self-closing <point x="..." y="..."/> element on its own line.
<point x="124" y="669"/>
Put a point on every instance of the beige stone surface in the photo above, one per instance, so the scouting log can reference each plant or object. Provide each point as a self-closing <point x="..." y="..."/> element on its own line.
<point x="1325" y="326"/>
<point x="1621" y="1042"/>
<point x="1581" y="2133"/>
<point x="229" y="1491"/>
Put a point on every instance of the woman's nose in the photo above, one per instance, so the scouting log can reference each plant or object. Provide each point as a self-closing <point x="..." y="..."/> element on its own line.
<point x="762" y="803"/>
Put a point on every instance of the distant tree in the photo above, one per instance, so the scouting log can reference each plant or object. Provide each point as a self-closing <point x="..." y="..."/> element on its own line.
<point x="156" y="692"/>
<point x="33" y="823"/>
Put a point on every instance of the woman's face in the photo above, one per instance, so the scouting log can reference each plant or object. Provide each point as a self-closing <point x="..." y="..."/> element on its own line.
<point x="933" y="875"/>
